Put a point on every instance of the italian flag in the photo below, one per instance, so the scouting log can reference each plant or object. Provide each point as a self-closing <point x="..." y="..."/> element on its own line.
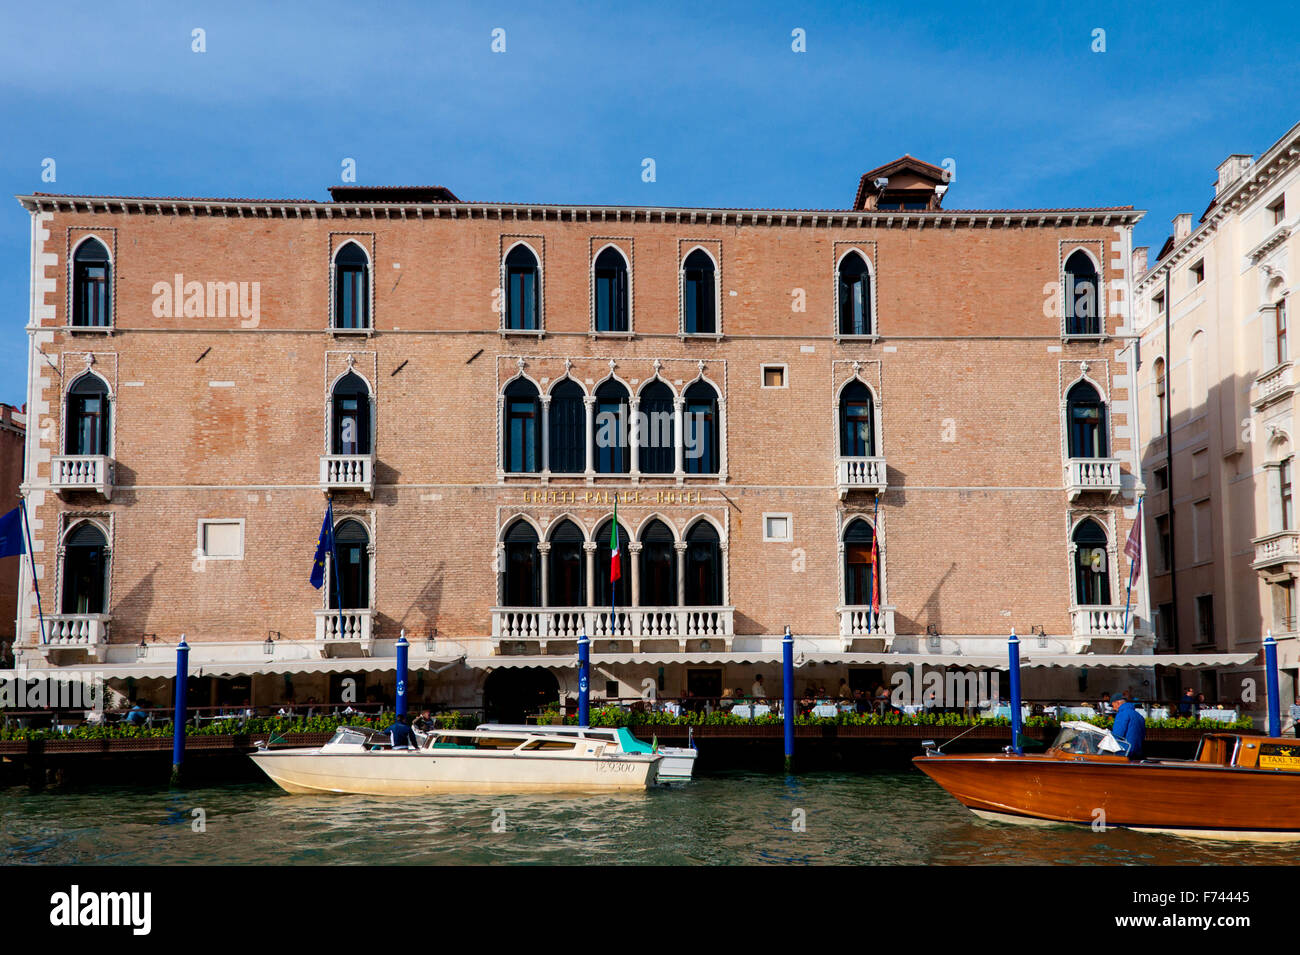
<point x="615" y="558"/>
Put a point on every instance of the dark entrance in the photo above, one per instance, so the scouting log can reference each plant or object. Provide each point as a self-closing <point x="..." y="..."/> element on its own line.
<point x="512" y="694"/>
<point x="704" y="683"/>
<point x="865" y="679"/>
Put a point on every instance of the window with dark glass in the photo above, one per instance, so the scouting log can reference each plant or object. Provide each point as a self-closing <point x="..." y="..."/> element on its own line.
<point x="700" y="452"/>
<point x="703" y="566"/>
<point x="658" y="441"/>
<point x="85" y="566"/>
<point x="1082" y="308"/>
<point x="91" y="293"/>
<point x="351" y="287"/>
<point x="658" y="566"/>
<point x="698" y="301"/>
<point x="1091" y="565"/>
<point x="610" y="450"/>
<point x="351" y="544"/>
<point x="1160" y="395"/>
<point x="859" y="564"/>
<point x="523" y="424"/>
<point x="1284" y="488"/>
<point x="88" y="416"/>
<point x="855" y="296"/>
<point x="350" y="429"/>
<point x="1205" y="618"/>
<point x="1163" y="543"/>
<point x="567" y="573"/>
<point x="521" y="289"/>
<point x="568" y="426"/>
<point x="523" y="583"/>
<point x="611" y="291"/>
<point x="1087" y="422"/>
<point x="1279" y="321"/>
<point x="623" y="586"/>
<point x="857" y="428"/>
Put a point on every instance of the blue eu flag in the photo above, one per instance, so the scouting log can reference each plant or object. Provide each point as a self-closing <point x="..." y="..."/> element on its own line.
<point x="11" y="534"/>
<point x="325" y="545"/>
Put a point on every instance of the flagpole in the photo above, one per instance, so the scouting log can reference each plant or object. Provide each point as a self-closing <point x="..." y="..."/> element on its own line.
<point x="31" y="560"/>
<point x="334" y="559"/>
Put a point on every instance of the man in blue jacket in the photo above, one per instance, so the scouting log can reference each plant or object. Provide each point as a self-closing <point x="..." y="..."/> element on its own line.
<point x="402" y="736"/>
<point x="1130" y="727"/>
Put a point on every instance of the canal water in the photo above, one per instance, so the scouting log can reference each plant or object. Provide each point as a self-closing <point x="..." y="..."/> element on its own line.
<point x="890" y="818"/>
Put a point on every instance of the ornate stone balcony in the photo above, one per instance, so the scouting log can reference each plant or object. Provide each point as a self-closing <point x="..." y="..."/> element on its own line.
<point x="1274" y="385"/>
<point x="859" y="623"/>
<point x="348" y="472"/>
<point x="70" y="473"/>
<point x="347" y="628"/>
<point x="1105" y="622"/>
<point x="1092" y="475"/>
<point x="860" y="474"/>
<point x="1273" y="552"/>
<point x="76" y="631"/>
<point x="510" y="624"/>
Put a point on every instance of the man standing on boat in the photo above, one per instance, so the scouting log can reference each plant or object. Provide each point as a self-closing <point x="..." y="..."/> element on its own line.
<point x="401" y="734"/>
<point x="1130" y="727"/>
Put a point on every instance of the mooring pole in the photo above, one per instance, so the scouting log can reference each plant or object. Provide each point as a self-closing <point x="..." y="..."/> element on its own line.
<point x="403" y="659"/>
<point x="787" y="701"/>
<point x="178" y="708"/>
<point x="1013" y="652"/>
<point x="1270" y="674"/>
<point x="584" y="678"/>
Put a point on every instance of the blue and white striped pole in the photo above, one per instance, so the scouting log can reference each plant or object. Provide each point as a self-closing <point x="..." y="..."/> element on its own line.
<point x="178" y="709"/>
<point x="1013" y="651"/>
<point x="1270" y="675"/>
<point x="787" y="702"/>
<point x="584" y="679"/>
<point x="403" y="659"/>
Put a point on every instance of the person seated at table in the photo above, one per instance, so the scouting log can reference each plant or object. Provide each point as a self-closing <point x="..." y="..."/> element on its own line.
<point x="1130" y="728"/>
<point x="757" y="691"/>
<point x="860" y="702"/>
<point x="1187" y="702"/>
<point x="844" y="693"/>
<point x="137" y="716"/>
<point x="1103" y="705"/>
<point x="1200" y="702"/>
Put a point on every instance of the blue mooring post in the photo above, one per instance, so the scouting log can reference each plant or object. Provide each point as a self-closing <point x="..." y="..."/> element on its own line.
<point x="178" y="708"/>
<point x="584" y="679"/>
<point x="1270" y="674"/>
<point x="403" y="658"/>
<point x="787" y="700"/>
<point x="1013" y="652"/>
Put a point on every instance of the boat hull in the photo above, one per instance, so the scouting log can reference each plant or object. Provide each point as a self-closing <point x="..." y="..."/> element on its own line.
<point x="1187" y="799"/>
<point x="422" y="772"/>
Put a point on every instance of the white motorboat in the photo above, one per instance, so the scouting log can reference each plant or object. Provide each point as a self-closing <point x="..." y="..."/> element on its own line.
<point x="363" y="761"/>
<point x="678" y="761"/>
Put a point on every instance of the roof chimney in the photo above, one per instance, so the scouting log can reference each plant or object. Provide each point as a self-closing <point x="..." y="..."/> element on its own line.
<point x="1182" y="226"/>
<point x="1140" y="261"/>
<point x="1230" y="170"/>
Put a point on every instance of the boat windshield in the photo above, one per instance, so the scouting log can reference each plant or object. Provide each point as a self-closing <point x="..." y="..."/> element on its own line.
<point x="359" y="736"/>
<point x="1084" y="738"/>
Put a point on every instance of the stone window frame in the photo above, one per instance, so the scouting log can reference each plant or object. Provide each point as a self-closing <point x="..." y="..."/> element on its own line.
<point x="839" y="249"/>
<point x="70" y="248"/>
<point x="1082" y="372"/>
<point x="1095" y="249"/>
<point x="336" y="242"/>
<point x="367" y="518"/>
<point x="332" y="376"/>
<point x="713" y="249"/>
<point x="874" y="384"/>
<point x="844" y="516"/>
<point x="597" y="244"/>
<point x="69" y="377"/>
<point x="107" y="523"/>
<point x="1105" y="516"/>
<point x="536" y="244"/>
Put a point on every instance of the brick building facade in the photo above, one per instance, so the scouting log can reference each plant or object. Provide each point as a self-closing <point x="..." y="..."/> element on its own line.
<point x="897" y="429"/>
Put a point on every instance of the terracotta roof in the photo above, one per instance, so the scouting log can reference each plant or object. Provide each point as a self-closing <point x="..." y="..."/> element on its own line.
<point x="907" y="161"/>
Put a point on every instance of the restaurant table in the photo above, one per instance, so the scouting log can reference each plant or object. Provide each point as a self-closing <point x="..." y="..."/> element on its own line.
<point x="1157" y="712"/>
<point x="1216" y="713"/>
<point x="911" y="709"/>
<point x="673" y="708"/>
<point x="750" y="710"/>
<point x="1003" y="711"/>
<point x="824" y="709"/>
<point x="1071" y="712"/>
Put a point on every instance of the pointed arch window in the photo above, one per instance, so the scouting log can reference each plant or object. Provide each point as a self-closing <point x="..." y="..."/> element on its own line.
<point x="857" y="421"/>
<point x="88" y="416"/>
<point x="699" y="302"/>
<point x="523" y="585"/>
<point x="350" y="427"/>
<point x="523" y="424"/>
<point x="567" y="573"/>
<point x="522" y="311"/>
<point x="611" y="291"/>
<point x="703" y="566"/>
<point x="658" y="434"/>
<point x="352" y="545"/>
<point x="1091" y="565"/>
<point x="1082" y="288"/>
<point x="658" y="566"/>
<point x="1086" y="417"/>
<point x="622" y="588"/>
<point x="91" y="288"/>
<point x="351" y="287"/>
<point x="860" y="552"/>
<point x="568" y="429"/>
<point x="700" y="430"/>
<point x="855" y="296"/>
<point x="85" y="570"/>
<point x="611" y="453"/>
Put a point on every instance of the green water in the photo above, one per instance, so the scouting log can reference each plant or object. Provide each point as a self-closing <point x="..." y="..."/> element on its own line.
<point x="895" y="818"/>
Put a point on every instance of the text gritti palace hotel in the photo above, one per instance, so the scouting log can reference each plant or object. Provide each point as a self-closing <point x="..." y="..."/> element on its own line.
<point x="899" y="429"/>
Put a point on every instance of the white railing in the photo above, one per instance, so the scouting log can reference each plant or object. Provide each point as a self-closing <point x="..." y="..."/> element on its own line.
<point x="631" y="623"/>
<point x="344" y="471"/>
<point x="1272" y="384"/>
<point x="76" y="631"/>
<point x="352" y="627"/>
<point x="1101" y="622"/>
<point x="1278" y="548"/>
<point x="860" y="623"/>
<point x="867" y="474"/>
<point x="1092" y="474"/>
<point x="82" y="472"/>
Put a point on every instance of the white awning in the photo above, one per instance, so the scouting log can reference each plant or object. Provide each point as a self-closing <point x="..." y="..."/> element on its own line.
<point x="1187" y="660"/>
<point x="125" y="671"/>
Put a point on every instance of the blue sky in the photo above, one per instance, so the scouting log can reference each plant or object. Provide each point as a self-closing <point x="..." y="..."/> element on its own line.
<point x="1013" y="94"/>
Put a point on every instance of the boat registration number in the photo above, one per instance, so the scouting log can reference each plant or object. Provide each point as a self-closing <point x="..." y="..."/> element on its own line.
<point x="616" y="766"/>
<point x="1279" y="756"/>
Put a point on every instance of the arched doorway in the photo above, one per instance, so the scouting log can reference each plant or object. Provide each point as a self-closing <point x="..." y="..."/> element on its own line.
<point x="512" y="694"/>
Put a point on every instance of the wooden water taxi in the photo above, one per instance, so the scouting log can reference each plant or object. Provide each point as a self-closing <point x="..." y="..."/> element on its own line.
<point x="363" y="761"/>
<point x="678" y="763"/>
<point x="1238" y="787"/>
